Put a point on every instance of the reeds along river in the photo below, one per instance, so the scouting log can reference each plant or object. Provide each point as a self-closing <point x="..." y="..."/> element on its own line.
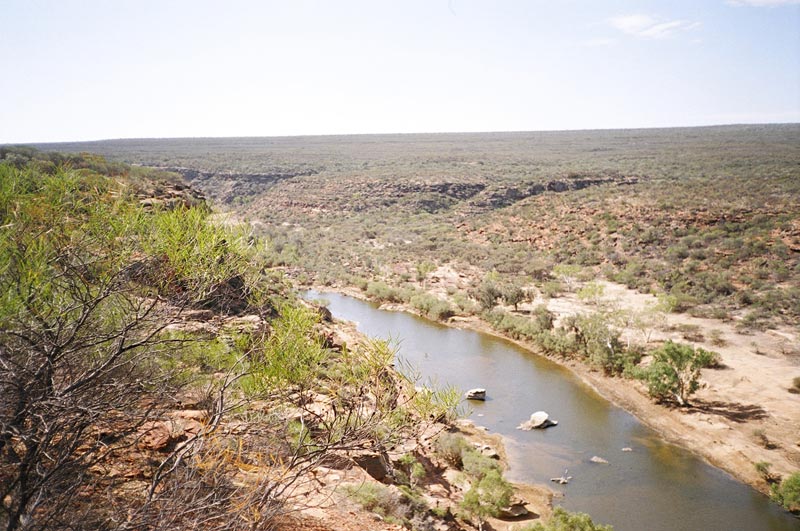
<point x="656" y="486"/>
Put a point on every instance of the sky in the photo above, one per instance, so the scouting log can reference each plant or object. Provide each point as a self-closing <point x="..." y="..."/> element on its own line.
<point x="98" y="69"/>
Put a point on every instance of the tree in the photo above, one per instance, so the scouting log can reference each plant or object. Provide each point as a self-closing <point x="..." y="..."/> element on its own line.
<point x="675" y="371"/>
<point x="512" y="294"/>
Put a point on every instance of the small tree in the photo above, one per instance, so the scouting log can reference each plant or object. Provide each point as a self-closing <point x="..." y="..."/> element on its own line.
<point x="675" y="372"/>
<point x="512" y="294"/>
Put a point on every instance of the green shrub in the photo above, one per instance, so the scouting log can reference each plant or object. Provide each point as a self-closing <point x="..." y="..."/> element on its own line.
<point x="476" y="464"/>
<point x="787" y="493"/>
<point x="375" y="497"/>
<point x="432" y="306"/>
<point x="450" y="447"/>
<point x="487" y="496"/>
<point x="562" y="520"/>
<point x="675" y="371"/>
<point x="381" y="291"/>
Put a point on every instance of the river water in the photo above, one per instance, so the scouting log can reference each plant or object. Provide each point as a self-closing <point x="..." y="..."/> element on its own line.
<point x="655" y="487"/>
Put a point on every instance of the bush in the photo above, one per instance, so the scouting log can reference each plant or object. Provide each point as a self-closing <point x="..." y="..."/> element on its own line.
<point x="381" y="291"/>
<point x="477" y="465"/>
<point x="487" y="496"/>
<point x="600" y="344"/>
<point x="375" y="497"/>
<point x="434" y="307"/>
<point x="562" y="520"/>
<point x="450" y="446"/>
<point x="788" y="493"/>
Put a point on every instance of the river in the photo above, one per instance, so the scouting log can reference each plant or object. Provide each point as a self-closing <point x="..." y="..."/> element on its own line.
<point x="655" y="487"/>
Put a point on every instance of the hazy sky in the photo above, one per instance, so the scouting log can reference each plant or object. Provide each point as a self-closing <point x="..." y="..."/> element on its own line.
<point x="83" y="70"/>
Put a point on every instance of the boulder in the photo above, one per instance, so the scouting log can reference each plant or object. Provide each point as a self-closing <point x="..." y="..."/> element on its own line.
<point x="476" y="394"/>
<point x="538" y="420"/>
<point x="157" y="435"/>
<point x="374" y="464"/>
<point x="514" y="510"/>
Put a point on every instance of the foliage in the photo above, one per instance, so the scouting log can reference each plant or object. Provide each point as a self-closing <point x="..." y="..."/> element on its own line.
<point x="432" y="306"/>
<point x="591" y="292"/>
<point x="675" y="371"/>
<point x="787" y="493"/>
<point x="412" y="469"/>
<point x="400" y="506"/>
<point x="383" y="292"/>
<point x="77" y="338"/>
<point x="376" y="498"/>
<point x="487" y="496"/>
<point x="599" y="343"/>
<point x="450" y="447"/>
<point x="512" y="294"/>
<point x="563" y="520"/>
<point x="476" y="464"/>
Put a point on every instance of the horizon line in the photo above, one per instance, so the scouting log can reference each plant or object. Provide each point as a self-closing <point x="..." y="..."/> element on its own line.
<point x="321" y="135"/>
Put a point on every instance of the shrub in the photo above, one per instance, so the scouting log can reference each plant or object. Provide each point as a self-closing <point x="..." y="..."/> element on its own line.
<point x="432" y="306"/>
<point x="487" y="496"/>
<point x="599" y="343"/>
<point x="450" y="446"/>
<point x="383" y="292"/>
<point x="375" y="497"/>
<point x="477" y="465"/>
<point x="591" y="292"/>
<point x="787" y="493"/>
<point x="562" y="520"/>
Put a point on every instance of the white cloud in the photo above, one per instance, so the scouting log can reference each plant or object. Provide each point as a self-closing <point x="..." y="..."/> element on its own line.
<point x="649" y="27"/>
<point x="764" y="3"/>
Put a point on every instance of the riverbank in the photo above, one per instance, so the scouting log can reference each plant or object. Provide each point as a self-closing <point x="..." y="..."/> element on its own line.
<point x="739" y="407"/>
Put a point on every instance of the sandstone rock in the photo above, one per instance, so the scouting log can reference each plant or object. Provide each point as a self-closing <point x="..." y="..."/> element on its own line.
<point x="515" y="510"/>
<point x="538" y="420"/>
<point x="476" y="394"/>
<point x="374" y="464"/>
<point x="156" y="435"/>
